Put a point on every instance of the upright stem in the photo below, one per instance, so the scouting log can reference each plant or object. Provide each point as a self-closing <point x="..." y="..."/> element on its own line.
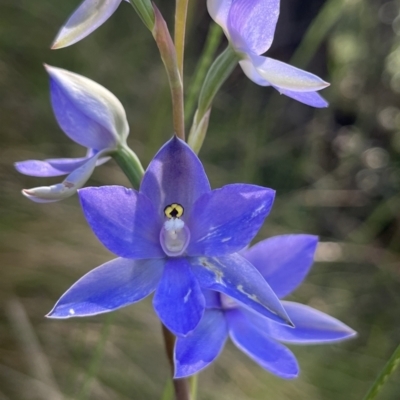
<point x="181" y="386"/>
<point x="180" y="30"/>
<point x="168" y="55"/>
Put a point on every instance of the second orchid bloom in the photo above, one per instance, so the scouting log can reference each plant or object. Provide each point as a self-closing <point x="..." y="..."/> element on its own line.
<point x="250" y="26"/>
<point x="91" y="116"/>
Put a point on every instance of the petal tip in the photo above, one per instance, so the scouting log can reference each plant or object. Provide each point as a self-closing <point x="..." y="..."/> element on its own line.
<point x="55" y="45"/>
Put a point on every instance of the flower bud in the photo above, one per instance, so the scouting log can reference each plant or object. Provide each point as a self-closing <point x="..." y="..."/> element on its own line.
<point x="87" y="112"/>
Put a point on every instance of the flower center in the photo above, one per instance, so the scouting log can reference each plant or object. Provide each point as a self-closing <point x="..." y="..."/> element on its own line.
<point x="174" y="235"/>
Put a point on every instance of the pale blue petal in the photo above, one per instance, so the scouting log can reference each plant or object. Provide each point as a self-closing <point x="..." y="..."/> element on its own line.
<point x="68" y="187"/>
<point x="85" y="19"/>
<point x="284" y="261"/>
<point x="219" y="11"/>
<point x="312" y="99"/>
<point x="201" y="347"/>
<point x="252" y="24"/>
<point x="311" y="326"/>
<point x="236" y="277"/>
<point x="252" y="73"/>
<point x="124" y="220"/>
<point x="227" y="219"/>
<point x="175" y="175"/>
<point x="285" y="76"/>
<point x="269" y="354"/>
<point x="179" y="301"/>
<point x="50" y="167"/>
<point x="113" y="285"/>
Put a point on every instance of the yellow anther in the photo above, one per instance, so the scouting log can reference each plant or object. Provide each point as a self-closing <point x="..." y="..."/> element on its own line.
<point x="173" y="211"/>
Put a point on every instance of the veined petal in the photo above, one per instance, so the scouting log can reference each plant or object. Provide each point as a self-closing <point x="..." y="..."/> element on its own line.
<point x="236" y="277"/>
<point x="87" y="112"/>
<point x="271" y="355"/>
<point x="311" y="326"/>
<point x="284" y="76"/>
<point x="179" y="301"/>
<point x="68" y="187"/>
<point x="312" y="99"/>
<point x="227" y="219"/>
<point x="113" y="285"/>
<point x="124" y="220"/>
<point x="175" y="175"/>
<point x="85" y="19"/>
<point x="283" y="261"/>
<point x="252" y="24"/>
<point x="219" y="11"/>
<point x="201" y="347"/>
<point x="50" y="167"/>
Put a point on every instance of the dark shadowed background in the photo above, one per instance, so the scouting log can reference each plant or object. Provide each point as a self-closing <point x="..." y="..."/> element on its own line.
<point x="336" y="172"/>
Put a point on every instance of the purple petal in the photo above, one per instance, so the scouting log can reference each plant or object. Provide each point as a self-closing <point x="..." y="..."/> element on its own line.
<point x="87" y="112"/>
<point x="68" y="187"/>
<point x="227" y="219"/>
<point x="124" y="220"/>
<point x="285" y="76"/>
<point x="50" y="167"/>
<point x="284" y="261"/>
<point x="252" y="23"/>
<point x="175" y="175"/>
<point x="252" y="73"/>
<point x="219" y="12"/>
<point x="179" y="301"/>
<point x="113" y="285"/>
<point x="269" y="354"/>
<point x="311" y="326"/>
<point x="236" y="277"/>
<point x="312" y="99"/>
<point x="200" y="348"/>
<point x="85" y="19"/>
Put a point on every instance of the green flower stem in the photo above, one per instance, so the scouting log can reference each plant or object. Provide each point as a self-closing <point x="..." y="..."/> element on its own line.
<point x="168" y="55"/>
<point x="212" y="42"/>
<point x="216" y="76"/>
<point x="145" y="11"/>
<point x="181" y="386"/>
<point x="180" y="31"/>
<point x="96" y="359"/>
<point x="193" y="386"/>
<point x="130" y="164"/>
<point x="388" y="370"/>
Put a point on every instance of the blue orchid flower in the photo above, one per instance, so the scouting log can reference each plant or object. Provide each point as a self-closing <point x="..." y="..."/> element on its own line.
<point x="250" y="26"/>
<point x="177" y="237"/>
<point x="91" y="116"/>
<point x="283" y="261"/>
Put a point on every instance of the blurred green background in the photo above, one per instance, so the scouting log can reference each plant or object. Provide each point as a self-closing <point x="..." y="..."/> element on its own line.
<point x="336" y="172"/>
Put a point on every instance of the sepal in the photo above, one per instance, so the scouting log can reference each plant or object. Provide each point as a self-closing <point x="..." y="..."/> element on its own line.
<point x="68" y="187"/>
